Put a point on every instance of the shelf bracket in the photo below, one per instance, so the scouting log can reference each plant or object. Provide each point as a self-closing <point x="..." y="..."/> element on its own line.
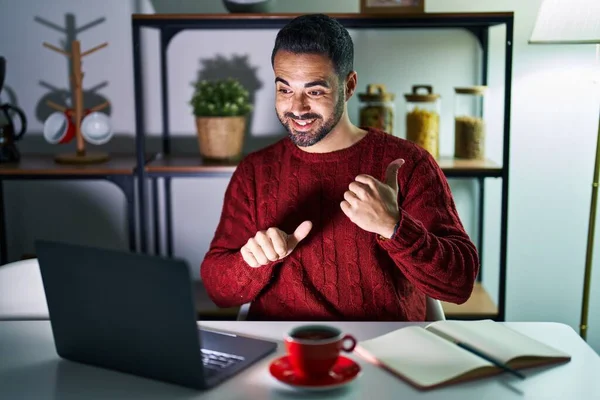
<point x="168" y="33"/>
<point x="480" y="33"/>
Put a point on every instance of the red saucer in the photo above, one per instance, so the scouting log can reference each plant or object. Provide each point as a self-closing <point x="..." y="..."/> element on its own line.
<point x="344" y="371"/>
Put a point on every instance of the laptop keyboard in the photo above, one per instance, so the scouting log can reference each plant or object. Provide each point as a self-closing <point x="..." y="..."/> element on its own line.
<point x="217" y="360"/>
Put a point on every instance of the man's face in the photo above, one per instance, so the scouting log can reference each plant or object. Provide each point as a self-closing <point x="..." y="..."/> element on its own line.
<point x="309" y="96"/>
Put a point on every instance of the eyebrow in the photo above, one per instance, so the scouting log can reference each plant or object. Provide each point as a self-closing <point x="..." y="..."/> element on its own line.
<point x="306" y="85"/>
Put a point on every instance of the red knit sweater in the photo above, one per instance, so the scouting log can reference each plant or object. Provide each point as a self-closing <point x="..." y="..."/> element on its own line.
<point x="339" y="271"/>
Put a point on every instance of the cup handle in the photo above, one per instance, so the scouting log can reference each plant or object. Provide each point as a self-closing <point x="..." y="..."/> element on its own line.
<point x="352" y="343"/>
<point x="23" y="119"/>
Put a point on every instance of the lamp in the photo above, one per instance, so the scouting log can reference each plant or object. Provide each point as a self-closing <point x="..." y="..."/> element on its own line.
<point x="575" y="22"/>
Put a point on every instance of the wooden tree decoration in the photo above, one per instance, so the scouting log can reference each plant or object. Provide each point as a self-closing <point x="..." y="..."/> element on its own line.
<point x="81" y="156"/>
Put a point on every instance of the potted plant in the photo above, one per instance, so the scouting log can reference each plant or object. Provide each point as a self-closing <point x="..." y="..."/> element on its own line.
<point x="221" y="108"/>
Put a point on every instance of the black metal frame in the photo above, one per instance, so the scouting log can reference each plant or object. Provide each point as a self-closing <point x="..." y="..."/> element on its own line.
<point x="477" y="24"/>
<point x="122" y="181"/>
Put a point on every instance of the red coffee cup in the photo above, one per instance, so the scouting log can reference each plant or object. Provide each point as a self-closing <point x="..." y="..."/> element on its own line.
<point x="59" y="128"/>
<point x="314" y="349"/>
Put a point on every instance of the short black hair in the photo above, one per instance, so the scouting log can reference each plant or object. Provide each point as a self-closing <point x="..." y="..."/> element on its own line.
<point x="318" y="34"/>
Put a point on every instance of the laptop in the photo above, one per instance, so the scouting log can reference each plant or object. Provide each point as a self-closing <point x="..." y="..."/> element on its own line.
<point x="135" y="313"/>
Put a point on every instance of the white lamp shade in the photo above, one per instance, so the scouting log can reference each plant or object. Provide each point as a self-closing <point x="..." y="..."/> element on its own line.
<point x="567" y="22"/>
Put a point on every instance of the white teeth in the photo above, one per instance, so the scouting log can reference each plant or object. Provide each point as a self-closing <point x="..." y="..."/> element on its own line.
<point x="304" y="123"/>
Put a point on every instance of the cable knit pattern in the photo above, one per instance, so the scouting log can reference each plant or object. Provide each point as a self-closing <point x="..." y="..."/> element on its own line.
<point x="340" y="272"/>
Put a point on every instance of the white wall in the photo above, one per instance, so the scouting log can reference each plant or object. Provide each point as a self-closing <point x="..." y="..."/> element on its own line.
<point x="554" y="119"/>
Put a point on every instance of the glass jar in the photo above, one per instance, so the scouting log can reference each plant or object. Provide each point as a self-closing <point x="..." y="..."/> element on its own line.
<point x="469" y="125"/>
<point x="377" y="108"/>
<point x="423" y="119"/>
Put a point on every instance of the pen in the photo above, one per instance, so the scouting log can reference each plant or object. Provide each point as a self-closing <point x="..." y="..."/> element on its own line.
<point x="490" y="359"/>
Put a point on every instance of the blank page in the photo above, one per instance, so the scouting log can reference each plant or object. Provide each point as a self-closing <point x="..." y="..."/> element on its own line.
<point x="421" y="356"/>
<point x="495" y="339"/>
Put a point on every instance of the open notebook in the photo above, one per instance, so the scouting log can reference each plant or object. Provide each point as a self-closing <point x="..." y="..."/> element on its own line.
<point x="428" y="357"/>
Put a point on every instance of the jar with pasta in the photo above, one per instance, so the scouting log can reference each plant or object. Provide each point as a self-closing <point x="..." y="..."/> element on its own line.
<point x="423" y="118"/>
<point x="377" y="108"/>
<point x="469" y="125"/>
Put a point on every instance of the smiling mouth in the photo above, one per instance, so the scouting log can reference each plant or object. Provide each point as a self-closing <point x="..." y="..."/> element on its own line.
<point x="303" y="125"/>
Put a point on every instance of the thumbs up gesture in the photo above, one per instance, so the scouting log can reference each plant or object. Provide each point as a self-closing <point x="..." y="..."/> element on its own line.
<point x="372" y="204"/>
<point x="273" y="244"/>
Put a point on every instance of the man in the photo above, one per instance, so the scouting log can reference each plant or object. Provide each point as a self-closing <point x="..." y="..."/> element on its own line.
<point x="335" y="222"/>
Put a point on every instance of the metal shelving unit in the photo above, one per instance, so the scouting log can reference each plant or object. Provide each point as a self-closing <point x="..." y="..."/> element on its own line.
<point x="119" y="170"/>
<point x="167" y="166"/>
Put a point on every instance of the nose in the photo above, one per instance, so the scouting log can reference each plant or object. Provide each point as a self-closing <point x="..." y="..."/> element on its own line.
<point x="299" y="104"/>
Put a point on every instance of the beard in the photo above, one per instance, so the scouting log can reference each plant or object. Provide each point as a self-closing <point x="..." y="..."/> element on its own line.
<point x="321" y="128"/>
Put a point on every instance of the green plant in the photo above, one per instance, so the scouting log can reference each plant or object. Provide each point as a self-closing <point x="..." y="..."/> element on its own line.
<point x="220" y="98"/>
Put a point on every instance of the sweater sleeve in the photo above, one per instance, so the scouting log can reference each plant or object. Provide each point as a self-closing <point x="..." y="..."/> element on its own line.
<point x="228" y="279"/>
<point x="430" y="245"/>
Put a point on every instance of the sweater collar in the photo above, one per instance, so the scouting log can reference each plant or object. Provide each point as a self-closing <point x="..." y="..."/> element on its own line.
<point x="335" y="155"/>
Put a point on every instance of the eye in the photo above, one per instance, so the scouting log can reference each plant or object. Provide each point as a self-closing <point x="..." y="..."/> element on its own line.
<point x="316" y="92"/>
<point x="284" y="90"/>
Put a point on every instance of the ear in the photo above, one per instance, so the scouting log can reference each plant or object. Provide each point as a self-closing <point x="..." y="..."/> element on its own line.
<point x="350" y="84"/>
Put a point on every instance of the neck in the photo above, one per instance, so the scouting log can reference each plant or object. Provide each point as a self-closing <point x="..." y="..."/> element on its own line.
<point x="342" y="136"/>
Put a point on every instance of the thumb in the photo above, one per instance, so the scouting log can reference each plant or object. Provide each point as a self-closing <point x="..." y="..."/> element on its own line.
<point x="300" y="233"/>
<point x="391" y="173"/>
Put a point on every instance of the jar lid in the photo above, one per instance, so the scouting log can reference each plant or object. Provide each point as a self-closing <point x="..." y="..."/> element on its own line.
<point x="478" y="90"/>
<point x="422" y="98"/>
<point x="376" y="92"/>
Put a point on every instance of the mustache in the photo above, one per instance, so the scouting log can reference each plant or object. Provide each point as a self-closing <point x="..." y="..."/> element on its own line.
<point x="302" y="117"/>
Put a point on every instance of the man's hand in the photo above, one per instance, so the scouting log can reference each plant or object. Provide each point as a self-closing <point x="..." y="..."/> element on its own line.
<point x="371" y="204"/>
<point x="273" y="244"/>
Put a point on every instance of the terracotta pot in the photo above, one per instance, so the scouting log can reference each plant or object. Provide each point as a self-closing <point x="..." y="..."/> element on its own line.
<point x="221" y="137"/>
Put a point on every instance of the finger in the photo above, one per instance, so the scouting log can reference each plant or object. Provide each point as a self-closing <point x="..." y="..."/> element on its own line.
<point x="257" y="252"/>
<point x="346" y="208"/>
<point x="249" y="258"/>
<point x="391" y="173"/>
<point x="351" y="198"/>
<point x="299" y="234"/>
<point x="278" y="240"/>
<point x="367" y="180"/>
<point x="359" y="189"/>
<point x="267" y="247"/>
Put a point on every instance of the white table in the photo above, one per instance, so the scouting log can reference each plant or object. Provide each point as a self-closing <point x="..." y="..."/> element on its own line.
<point x="31" y="369"/>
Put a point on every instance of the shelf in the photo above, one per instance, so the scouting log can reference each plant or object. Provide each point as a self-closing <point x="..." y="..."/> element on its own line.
<point x="479" y="306"/>
<point x="453" y="167"/>
<point x="43" y="165"/>
<point x="350" y="20"/>
<point x="118" y="169"/>
<point x="190" y="165"/>
<point x="182" y="165"/>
